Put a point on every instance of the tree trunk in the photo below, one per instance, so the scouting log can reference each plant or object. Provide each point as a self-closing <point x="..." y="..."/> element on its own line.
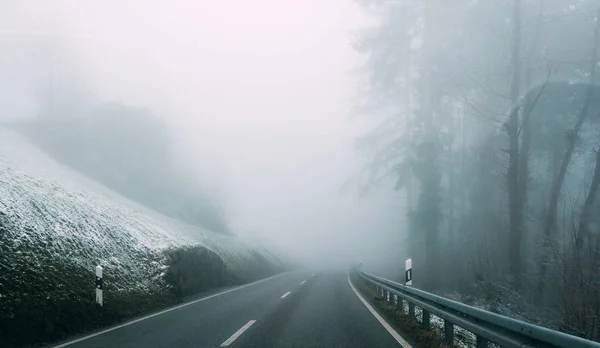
<point x="429" y="208"/>
<point x="523" y="162"/>
<point x="582" y="230"/>
<point x="514" y="200"/>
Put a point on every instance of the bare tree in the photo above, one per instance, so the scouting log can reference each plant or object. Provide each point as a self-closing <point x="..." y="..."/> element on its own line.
<point x="571" y="140"/>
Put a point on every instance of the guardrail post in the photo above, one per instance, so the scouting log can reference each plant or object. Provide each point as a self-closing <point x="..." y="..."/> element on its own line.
<point x="482" y="342"/>
<point x="425" y="323"/>
<point x="411" y="310"/>
<point x="448" y="332"/>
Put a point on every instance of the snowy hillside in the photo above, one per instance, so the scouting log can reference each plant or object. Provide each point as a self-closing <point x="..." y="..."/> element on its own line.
<point x="53" y="219"/>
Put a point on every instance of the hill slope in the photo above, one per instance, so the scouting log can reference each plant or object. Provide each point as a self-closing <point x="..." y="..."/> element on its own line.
<point x="56" y="225"/>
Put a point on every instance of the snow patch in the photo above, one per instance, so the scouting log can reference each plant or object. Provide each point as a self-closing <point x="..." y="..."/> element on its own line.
<point x="52" y="209"/>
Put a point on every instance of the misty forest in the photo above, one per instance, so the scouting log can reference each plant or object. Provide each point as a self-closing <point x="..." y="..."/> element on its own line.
<point x="485" y="115"/>
<point x="462" y="134"/>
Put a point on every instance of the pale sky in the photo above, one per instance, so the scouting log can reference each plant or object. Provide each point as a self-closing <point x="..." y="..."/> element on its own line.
<point x="258" y="94"/>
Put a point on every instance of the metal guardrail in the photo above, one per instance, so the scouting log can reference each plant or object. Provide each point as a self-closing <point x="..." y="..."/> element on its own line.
<point x="486" y="326"/>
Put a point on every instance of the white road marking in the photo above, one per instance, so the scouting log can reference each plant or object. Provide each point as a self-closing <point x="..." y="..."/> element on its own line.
<point x="286" y="294"/>
<point x="382" y="321"/>
<point x="304" y="281"/>
<point x="312" y="274"/>
<point x="238" y="333"/>
<point x="163" y="312"/>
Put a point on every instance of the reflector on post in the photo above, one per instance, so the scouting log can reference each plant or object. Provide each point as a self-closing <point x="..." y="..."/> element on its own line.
<point x="408" y="266"/>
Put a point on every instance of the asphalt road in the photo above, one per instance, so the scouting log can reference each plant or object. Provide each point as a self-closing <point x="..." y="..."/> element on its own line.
<point x="295" y="309"/>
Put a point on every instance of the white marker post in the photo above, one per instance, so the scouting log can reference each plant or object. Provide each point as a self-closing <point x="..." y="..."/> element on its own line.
<point x="411" y="306"/>
<point x="408" y="266"/>
<point x="99" y="285"/>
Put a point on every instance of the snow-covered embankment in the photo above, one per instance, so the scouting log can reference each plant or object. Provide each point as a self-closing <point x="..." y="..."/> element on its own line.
<point x="56" y="225"/>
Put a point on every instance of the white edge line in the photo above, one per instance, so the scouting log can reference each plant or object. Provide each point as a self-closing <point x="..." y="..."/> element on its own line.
<point x="238" y="333"/>
<point x="286" y="294"/>
<point x="382" y="321"/>
<point x="163" y="312"/>
<point x="304" y="281"/>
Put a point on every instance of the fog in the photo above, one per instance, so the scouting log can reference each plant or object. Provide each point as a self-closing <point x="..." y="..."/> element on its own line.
<point x="257" y="97"/>
<point x="462" y="134"/>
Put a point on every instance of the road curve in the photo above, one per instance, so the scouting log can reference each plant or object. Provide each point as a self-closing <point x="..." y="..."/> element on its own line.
<point x="294" y="309"/>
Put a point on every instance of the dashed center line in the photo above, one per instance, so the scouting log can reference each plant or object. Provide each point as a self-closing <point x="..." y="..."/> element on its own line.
<point x="238" y="333"/>
<point x="163" y="312"/>
<point x="304" y="281"/>
<point x="286" y="294"/>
